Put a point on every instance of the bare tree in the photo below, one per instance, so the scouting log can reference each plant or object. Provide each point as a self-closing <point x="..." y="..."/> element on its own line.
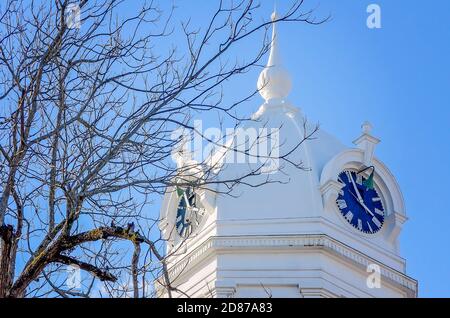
<point x="86" y="121"/>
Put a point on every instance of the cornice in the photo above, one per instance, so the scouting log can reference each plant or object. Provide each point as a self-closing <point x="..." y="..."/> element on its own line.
<point x="218" y="244"/>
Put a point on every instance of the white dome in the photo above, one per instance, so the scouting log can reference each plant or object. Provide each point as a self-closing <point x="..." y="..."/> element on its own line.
<point x="295" y="193"/>
<point x="298" y="195"/>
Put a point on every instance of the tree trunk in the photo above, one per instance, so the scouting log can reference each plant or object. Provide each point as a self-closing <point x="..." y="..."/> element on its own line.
<point x="7" y="241"/>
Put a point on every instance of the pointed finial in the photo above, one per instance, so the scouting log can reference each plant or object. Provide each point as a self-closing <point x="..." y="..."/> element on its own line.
<point x="274" y="15"/>
<point x="274" y="82"/>
<point x="366" y="127"/>
<point x="367" y="143"/>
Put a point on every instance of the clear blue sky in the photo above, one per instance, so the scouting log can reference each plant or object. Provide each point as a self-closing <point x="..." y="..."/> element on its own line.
<point x="397" y="77"/>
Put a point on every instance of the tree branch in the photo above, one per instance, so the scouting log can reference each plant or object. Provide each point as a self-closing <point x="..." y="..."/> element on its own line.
<point x="97" y="272"/>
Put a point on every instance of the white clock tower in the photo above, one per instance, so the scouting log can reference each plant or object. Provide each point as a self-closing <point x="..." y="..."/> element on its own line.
<point x="315" y="235"/>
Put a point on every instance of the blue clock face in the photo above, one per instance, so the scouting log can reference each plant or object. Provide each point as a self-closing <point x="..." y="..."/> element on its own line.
<point x="359" y="203"/>
<point x="189" y="215"/>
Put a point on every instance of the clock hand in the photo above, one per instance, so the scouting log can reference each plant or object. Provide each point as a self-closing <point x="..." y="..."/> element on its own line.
<point x="363" y="205"/>
<point x="367" y="209"/>
<point x="186" y="199"/>
<point x="349" y="175"/>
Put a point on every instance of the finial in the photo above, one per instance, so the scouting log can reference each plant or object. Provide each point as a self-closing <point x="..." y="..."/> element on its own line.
<point x="366" y="127"/>
<point x="274" y="82"/>
<point x="274" y="15"/>
<point x="367" y="143"/>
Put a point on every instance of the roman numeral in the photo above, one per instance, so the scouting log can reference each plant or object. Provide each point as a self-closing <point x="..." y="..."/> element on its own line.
<point x="376" y="222"/>
<point x="359" y="179"/>
<point x="370" y="228"/>
<point x="349" y="176"/>
<point x="349" y="216"/>
<point x="341" y="204"/>
<point x="379" y="212"/>
<point x="376" y="199"/>
<point x="359" y="224"/>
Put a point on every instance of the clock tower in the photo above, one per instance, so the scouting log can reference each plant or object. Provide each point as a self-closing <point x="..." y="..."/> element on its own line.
<point x="331" y="230"/>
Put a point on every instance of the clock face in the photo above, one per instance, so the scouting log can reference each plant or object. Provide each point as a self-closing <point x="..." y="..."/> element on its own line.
<point x="360" y="203"/>
<point x="189" y="214"/>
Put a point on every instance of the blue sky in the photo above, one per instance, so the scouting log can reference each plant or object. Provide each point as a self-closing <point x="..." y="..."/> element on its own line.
<point x="397" y="77"/>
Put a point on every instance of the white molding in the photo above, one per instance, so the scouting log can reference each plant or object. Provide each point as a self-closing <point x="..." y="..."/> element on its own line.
<point x="385" y="182"/>
<point x="367" y="143"/>
<point x="285" y="107"/>
<point x="322" y="242"/>
<point x="354" y="158"/>
<point x="223" y="289"/>
<point x="322" y="225"/>
<point x="330" y="191"/>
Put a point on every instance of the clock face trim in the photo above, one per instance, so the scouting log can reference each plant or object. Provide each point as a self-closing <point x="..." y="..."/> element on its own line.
<point x="359" y="204"/>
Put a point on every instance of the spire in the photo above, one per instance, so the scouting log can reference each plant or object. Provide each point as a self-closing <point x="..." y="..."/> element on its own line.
<point x="274" y="82"/>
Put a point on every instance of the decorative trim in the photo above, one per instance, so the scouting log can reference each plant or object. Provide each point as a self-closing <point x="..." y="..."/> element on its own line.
<point x="367" y="144"/>
<point x="386" y="184"/>
<point x="217" y="244"/>
<point x="383" y="178"/>
<point x="330" y="191"/>
<point x="316" y="293"/>
<point x="284" y="106"/>
<point x="223" y="289"/>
